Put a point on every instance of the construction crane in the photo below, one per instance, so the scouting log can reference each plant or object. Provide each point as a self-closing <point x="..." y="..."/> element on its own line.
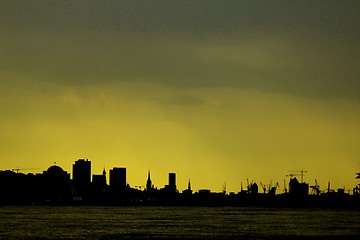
<point x="315" y="189"/>
<point x="272" y="189"/>
<point x="285" y="189"/>
<point x="224" y="188"/>
<point x="17" y="169"/>
<point x="249" y="185"/>
<point x="270" y="186"/>
<point x="300" y="173"/>
<point x="263" y="187"/>
<point x="329" y="189"/>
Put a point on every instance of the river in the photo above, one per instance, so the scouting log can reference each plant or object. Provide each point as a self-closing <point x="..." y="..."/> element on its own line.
<point x="79" y="222"/>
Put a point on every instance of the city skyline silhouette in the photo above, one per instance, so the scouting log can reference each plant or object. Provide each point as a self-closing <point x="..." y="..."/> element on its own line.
<point x="281" y="183"/>
<point x="54" y="186"/>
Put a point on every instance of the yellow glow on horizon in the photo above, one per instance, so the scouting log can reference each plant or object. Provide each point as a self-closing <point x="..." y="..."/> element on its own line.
<point x="210" y="136"/>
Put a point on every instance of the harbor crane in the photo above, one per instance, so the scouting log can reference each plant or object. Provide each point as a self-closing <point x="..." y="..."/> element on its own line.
<point x="249" y="185"/>
<point x="270" y="186"/>
<point x="224" y="188"/>
<point x="285" y="189"/>
<point x="270" y="189"/>
<point x="263" y="187"/>
<point x="277" y="185"/>
<point x="315" y="189"/>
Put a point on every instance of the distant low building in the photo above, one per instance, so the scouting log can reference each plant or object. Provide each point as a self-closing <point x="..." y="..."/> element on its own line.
<point x="99" y="183"/>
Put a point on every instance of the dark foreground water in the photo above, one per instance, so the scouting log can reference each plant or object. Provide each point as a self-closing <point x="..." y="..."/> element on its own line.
<point x="176" y="223"/>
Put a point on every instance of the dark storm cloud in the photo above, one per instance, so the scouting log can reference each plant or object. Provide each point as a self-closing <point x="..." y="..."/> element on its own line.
<point x="185" y="17"/>
<point x="303" y="47"/>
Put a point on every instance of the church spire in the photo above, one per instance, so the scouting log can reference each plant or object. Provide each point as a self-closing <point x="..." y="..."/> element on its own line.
<point x="148" y="182"/>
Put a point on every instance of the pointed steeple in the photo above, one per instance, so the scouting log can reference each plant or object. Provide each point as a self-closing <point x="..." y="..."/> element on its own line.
<point x="104" y="177"/>
<point x="188" y="191"/>
<point x="148" y="182"/>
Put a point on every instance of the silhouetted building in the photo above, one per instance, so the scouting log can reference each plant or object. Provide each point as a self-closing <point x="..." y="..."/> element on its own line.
<point x="118" y="179"/>
<point x="171" y="187"/>
<point x="99" y="185"/>
<point x="253" y="189"/>
<point x="272" y="191"/>
<point x="16" y="187"/>
<point x="81" y="177"/>
<point x="149" y="183"/>
<point x="204" y="191"/>
<point x="298" y="189"/>
<point x="188" y="191"/>
<point x="172" y="181"/>
<point x="55" y="184"/>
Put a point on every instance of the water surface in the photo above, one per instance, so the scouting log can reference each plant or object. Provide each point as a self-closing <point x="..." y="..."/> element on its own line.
<point x="176" y="223"/>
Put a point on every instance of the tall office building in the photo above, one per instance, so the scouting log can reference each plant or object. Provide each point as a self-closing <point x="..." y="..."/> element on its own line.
<point x="82" y="171"/>
<point x="82" y="176"/>
<point x="118" y="179"/>
<point x="172" y="181"/>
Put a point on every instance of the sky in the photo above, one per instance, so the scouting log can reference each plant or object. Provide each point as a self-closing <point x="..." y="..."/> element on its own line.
<point x="215" y="91"/>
